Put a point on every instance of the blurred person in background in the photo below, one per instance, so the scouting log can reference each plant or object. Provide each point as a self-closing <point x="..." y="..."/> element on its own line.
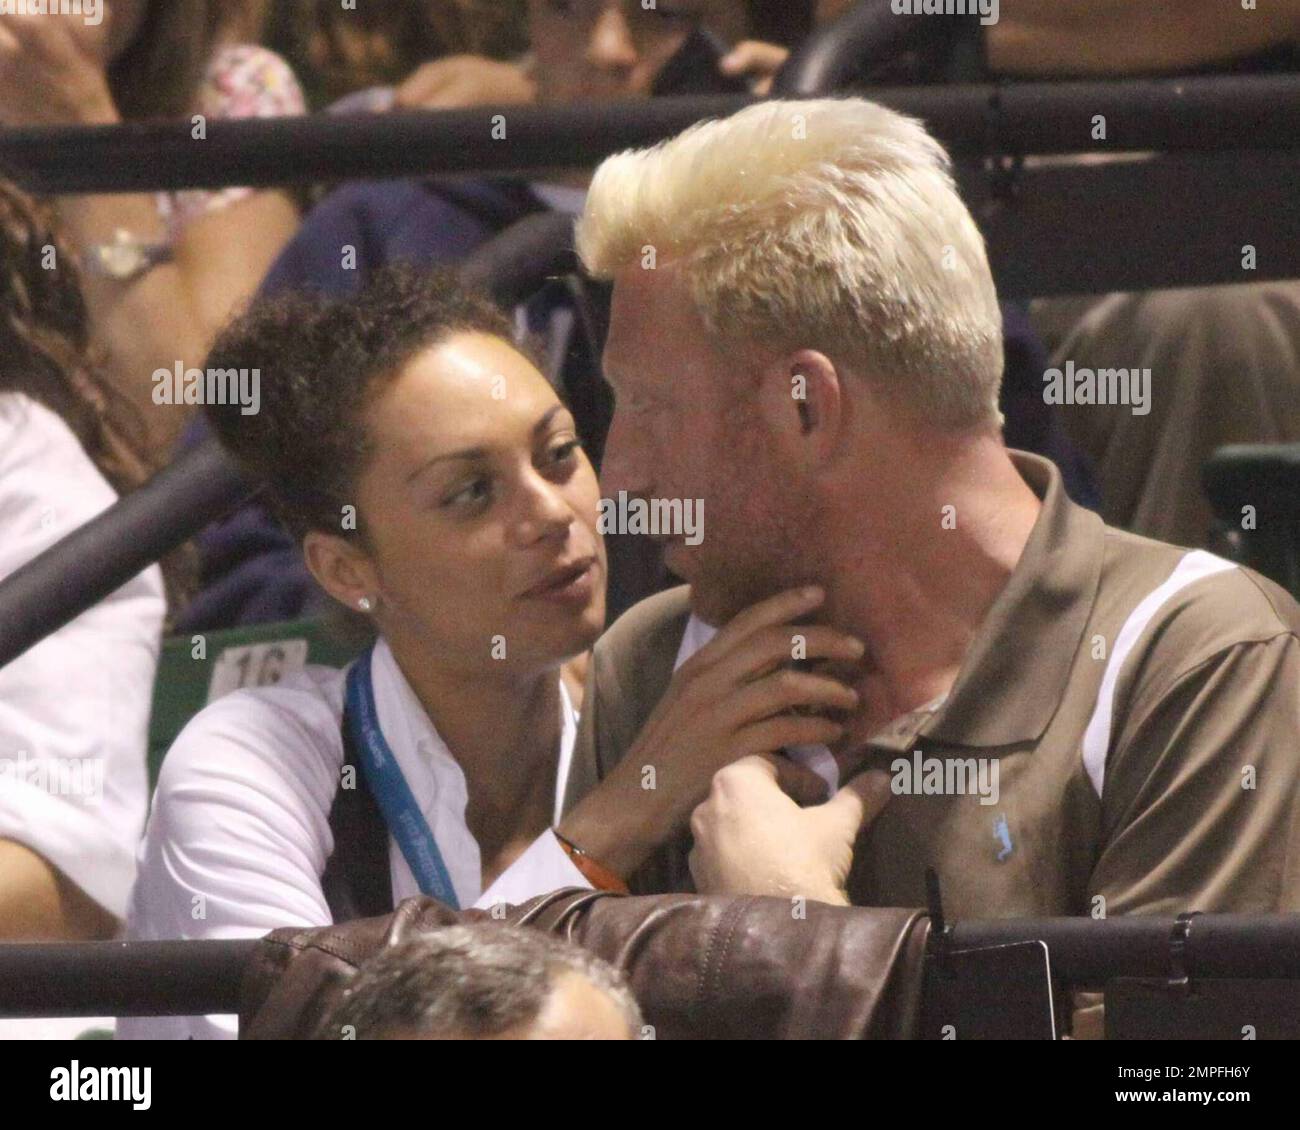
<point x="74" y="709"/>
<point x="162" y="271"/>
<point x="483" y="982"/>
<point x="1224" y="360"/>
<point x="381" y="54"/>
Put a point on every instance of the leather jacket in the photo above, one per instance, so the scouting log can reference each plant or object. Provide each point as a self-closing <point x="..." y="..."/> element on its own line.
<point x="702" y="967"/>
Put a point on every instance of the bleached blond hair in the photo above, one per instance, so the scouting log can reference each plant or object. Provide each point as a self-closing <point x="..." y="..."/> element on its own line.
<point x="833" y="225"/>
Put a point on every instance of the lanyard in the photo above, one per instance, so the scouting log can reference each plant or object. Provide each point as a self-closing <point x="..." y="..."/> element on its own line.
<point x="405" y="821"/>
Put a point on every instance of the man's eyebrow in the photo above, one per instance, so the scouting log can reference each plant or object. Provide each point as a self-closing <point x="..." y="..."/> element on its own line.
<point x="469" y="454"/>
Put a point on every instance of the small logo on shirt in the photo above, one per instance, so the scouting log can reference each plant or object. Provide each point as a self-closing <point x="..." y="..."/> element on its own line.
<point x="1003" y="833"/>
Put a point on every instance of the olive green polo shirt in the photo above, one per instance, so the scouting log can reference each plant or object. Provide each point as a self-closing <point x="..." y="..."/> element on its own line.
<point x="1139" y="704"/>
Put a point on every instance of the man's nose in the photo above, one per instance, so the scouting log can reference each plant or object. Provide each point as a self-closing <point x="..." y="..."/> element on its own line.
<point x="611" y="46"/>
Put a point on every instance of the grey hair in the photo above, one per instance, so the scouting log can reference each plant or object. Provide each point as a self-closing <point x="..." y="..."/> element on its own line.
<point x="470" y="982"/>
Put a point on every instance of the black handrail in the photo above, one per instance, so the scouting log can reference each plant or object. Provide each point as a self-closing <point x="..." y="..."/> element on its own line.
<point x="1204" y="114"/>
<point x="199" y="978"/>
<point x="96" y="560"/>
<point x="121" y="978"/>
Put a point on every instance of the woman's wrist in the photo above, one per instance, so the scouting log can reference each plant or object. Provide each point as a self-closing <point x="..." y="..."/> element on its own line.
<point x="616" y="825"/>
<point x="599" y="875"/>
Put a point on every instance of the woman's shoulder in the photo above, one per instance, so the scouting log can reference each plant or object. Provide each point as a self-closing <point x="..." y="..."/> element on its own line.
<point x="29" y="429"/>
<point x="43" y="467"/>
<point x="282" y="742"/>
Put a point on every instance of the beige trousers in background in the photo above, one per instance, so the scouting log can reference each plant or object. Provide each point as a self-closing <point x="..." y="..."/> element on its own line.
<point x="1225" y="368"/>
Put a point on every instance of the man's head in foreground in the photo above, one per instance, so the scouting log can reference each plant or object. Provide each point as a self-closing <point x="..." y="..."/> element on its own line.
<point x="484" y="982"/>
<point x="805" y="334"/>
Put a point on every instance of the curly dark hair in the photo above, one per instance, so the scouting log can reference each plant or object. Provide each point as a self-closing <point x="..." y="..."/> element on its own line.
<point x="322" y="360"/>
<point x="47" y="353"/>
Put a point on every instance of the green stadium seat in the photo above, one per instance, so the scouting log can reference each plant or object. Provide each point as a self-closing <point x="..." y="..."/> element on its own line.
<point x="193" y="670"/>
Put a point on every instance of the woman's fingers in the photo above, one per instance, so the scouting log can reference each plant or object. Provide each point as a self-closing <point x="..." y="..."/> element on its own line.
<point x="780" y="609"/>
<point x="772" y="734"/>
<point x="769" y="648"/>
<point x="799" y="693"/>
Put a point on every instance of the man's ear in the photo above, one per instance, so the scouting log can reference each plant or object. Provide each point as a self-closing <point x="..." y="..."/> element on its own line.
<point x="802" y="401"/>
<point x="342" y="568"/>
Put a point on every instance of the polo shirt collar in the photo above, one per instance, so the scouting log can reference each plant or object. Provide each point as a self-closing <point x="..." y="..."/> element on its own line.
<point x="1016" y="670"/>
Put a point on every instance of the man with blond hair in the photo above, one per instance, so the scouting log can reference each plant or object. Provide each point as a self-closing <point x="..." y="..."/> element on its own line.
<point x="805" y="335"/>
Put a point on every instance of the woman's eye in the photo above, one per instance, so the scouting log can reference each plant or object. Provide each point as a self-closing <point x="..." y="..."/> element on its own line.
<point x="470" y="494"/>
<point x="565" y="451"/>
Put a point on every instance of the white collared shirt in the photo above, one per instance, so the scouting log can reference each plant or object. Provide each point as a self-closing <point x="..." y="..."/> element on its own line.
<point x="239" y="834"/>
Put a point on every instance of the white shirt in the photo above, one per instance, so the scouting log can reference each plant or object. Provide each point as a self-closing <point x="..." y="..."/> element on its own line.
<point x="74" y="709"/>
<point x="239" y="834"/>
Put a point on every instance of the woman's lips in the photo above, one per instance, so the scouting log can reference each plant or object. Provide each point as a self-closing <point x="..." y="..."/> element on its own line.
<point x="575" y="585"/>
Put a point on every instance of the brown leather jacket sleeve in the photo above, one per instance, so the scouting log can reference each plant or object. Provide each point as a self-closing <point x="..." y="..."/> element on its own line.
<point x="701" y="967"/>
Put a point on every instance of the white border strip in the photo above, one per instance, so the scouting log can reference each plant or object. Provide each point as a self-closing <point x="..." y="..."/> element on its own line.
<point x="1195" y="566"/>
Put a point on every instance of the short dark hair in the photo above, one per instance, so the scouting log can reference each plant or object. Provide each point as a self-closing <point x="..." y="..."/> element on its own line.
<point x="470" y="982"/>
<point x="322" y="360"/>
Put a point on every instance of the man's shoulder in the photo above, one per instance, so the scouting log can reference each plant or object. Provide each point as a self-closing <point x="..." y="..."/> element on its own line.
<point x="648" y="631"/>
<point x="1185" y="608"/>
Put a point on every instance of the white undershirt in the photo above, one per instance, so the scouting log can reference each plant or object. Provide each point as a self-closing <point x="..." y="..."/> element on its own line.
<point x="239" y="834"/>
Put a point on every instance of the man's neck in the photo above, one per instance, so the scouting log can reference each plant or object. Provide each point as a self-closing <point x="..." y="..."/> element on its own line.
<point x="916" y="580"/>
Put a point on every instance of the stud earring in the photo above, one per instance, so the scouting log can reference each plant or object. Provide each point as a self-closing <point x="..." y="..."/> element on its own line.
<point x="365" y="604"/>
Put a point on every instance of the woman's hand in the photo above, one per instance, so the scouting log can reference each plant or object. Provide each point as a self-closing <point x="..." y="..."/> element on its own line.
<point x="461" y="81"/>
<point x="52" y="73"/>
<point x="736" y="697"/>
<point x="755" y="60"/>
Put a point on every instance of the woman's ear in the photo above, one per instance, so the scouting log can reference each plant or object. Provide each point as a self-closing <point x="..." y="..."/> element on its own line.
<point x="342" y="569"/>
<point x="803" y="403"/>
